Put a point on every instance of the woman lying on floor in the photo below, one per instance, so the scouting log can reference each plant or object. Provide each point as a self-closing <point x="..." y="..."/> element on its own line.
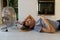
<point x="46" y="25"/>
<point x="42" y="25"/>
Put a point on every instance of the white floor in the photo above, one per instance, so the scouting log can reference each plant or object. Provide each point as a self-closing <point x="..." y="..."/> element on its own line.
<point x="15" y="34"/>
<point x="32" y="35"/>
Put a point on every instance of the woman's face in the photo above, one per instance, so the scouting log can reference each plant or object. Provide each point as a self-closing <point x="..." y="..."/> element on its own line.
<point x="28" y="21"/>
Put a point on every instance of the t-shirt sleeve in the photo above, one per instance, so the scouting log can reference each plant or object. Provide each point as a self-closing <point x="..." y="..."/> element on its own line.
<point x="38" y="26"/>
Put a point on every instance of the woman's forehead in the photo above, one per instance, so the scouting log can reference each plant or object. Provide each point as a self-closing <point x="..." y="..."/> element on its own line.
<point x="29" y="19"/>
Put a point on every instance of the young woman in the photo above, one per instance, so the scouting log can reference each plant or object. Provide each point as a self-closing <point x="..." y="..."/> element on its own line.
<point x="46" y="25"/>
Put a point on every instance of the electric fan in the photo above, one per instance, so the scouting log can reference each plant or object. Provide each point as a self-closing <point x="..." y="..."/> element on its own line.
<point x="8" y="16"/>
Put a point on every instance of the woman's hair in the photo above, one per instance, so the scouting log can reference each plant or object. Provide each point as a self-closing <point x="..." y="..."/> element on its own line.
<point x="32" y="22"/>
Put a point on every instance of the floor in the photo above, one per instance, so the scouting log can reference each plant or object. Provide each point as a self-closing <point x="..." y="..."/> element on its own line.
<point x="15" y="34"/>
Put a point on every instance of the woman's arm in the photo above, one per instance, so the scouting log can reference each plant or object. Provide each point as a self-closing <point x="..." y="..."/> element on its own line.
<point x="49" y="28"/>
<point x="32" y="22"/>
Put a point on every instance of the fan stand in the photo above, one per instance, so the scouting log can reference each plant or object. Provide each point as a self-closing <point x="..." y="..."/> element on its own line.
<point x="6" y="29"/>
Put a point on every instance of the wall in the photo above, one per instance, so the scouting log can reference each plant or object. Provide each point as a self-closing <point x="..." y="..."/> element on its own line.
<point x="0" y="13"/>
<point x="27" y="7"/>
<point x="57" y="9"/>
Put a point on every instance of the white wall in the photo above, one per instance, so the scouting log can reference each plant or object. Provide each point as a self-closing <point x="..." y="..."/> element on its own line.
<point x="57" y="7"/>
<point x="27" y="7"/>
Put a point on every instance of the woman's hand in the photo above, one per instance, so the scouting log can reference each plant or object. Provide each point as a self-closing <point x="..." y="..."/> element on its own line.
<point x="43" y="17"/>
